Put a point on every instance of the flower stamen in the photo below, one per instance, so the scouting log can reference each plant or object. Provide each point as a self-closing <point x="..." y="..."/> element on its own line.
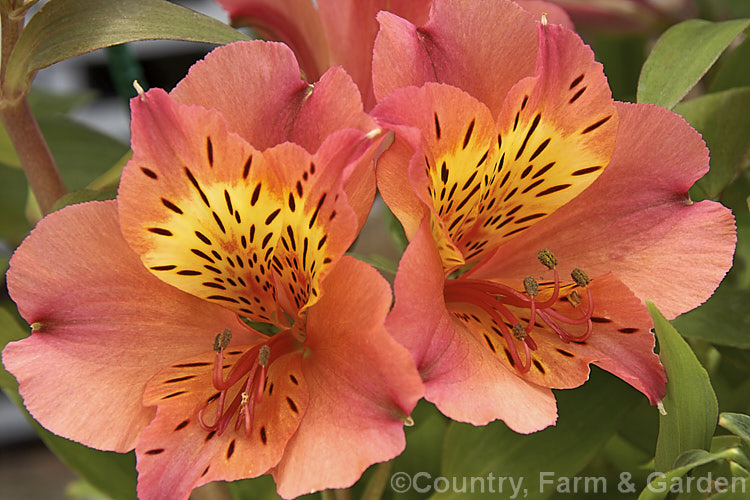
<point x="496" y="298"/>
<point x="251" y="367"/>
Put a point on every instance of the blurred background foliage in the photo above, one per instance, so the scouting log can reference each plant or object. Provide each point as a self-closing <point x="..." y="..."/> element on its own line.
<point x="692" y="56"/>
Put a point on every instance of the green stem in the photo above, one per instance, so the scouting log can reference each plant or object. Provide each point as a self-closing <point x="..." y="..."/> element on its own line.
<point x="378" y="481"/>
<point x="10" y="30"/>
<point x="344" y="494"/>
<point x="22" y="128"/>
<point x="32" y="150"/>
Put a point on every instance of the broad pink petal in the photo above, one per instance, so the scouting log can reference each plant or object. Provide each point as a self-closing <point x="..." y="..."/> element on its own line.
<point x="483" y="47"/>
<point x="620" y="341"/>
<point x="636" y="220"/>
<point x="294" y="22"/>
<point x="351" y="27"/>
<point x="625" y="346"/>
<point x="175" y="454"/>
<point x="461" y="376"/>
<point x="555" y="14"/>
<point x="256" y="86"/>
<point x="108" y="324"/>
<point x="363" y="386"/>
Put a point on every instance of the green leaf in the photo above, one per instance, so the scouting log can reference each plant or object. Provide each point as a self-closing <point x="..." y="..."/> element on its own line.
<point x="111" y="178"/>
<point x="13" y="189"/>
<point x="379" y="262"/>
<point x="734" y="70"/>
<point x="658" y="488"/>
<point x="690" y="403"/>
<point x="424" y="446"/>
<point x="723" y="119"/>
<point x="724" y="319"/>
<point x="588" y="417"/>
<point x="736" y="423"/>
<point x="682" y="56"/>
<point x="622" y="56"/>
<point x="66" y="28"/>
<point x="81" y="153"/>
<point x="10" y="331"/>
<point x="44" y="105"/>
<point x="84" y="195"/>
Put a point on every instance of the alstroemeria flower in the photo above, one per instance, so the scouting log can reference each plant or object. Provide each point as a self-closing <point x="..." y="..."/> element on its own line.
<point x="508" y="142"/>
<point x="140" y="306"/>
<point x="326" y="33"/>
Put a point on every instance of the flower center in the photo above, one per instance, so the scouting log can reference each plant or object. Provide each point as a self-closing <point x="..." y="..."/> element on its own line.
<point x="245" y="381"/>
<point x="499" y="302"/>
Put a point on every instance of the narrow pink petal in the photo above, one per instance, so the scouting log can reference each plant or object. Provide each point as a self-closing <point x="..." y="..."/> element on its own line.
<point x="556" y="133"/>
<point x="261" y="80"/>
<point x="351" y="27"/>
<point x="318" y="224"/>
<point x="201" y="207"/>
<point x="453" y="140"/>
<point x="333" y="104"/>
<point x="394" y="185"/>
<point x="175" y="454"/>
<point x="555" y="14"/>
<point x="363" y="386"/>
<point x="636" y="220"/>
<point x="294" y="22"/>
<point x="482" y="47"/>
<point x="461" y="376"/>
<point x="108" y="324"/>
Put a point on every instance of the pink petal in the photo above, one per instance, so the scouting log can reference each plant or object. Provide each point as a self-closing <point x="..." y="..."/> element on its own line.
<point x="318" y="224"/>
<point x="625" y="346"/>
<point x="620" y="341"/>
<point x="461" y="376"/>
<point x="107" y="323"/>
<point x="636" y="220"/>
<point x="462" y="44"/>
<point x="556" y="133"/>
<point x="363" y="386"/>
<point x="332" y="105"/>
<point x="555" y="14"/>
<point x="453" y="141"/>
<point x="175" y="454"/>
<point x="294" y="22"/>
<point x="262" y="80"/>
<point x="351" y="27"/>
<point x="201" y="206"/>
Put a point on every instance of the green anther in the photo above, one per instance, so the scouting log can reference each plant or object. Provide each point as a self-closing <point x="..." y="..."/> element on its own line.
<point x="519" y="331"/>
<point x="222" y="340"/>
<point x="579" y="277"/>
<point x="264" y="355"/>
<point x="574" y="299"/>
<point x="546" y="258"/>
<point x="531" y="286"/>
